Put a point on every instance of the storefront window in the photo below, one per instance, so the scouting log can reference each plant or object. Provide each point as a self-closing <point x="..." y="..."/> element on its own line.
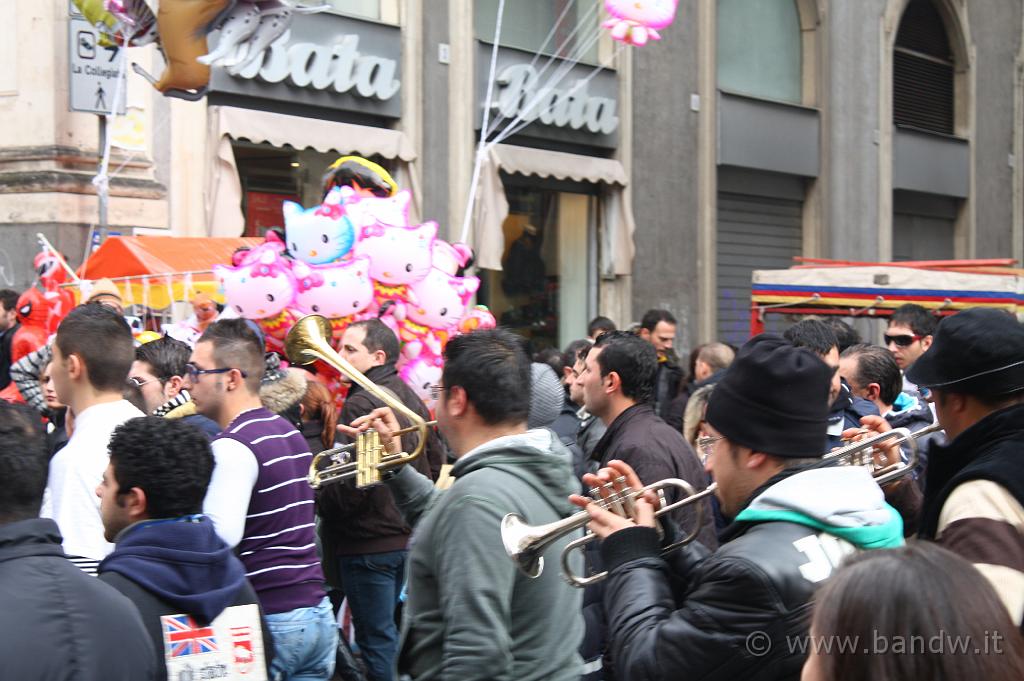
<point x="526" y="23"/>
<point x="272" y="175"/>
<point x="542" y="291"/>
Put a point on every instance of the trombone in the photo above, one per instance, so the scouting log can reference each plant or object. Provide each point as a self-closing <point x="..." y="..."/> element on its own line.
<point x="307" y="342"/>
<point x="525" y="543"/>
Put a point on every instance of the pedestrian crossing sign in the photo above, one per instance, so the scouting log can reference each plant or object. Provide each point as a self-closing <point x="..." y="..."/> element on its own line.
<point x="93" y="70"/>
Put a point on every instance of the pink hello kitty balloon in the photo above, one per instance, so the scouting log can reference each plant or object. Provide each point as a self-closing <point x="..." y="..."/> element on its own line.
<point x="634" y="22"/>
<point x="442" y="299"/>
<point x="334" y="291"/>
<point x="392" y="211"/>
<point x="398" y="255"/>
<point x="421" y="373"/>
<point x="261" y="285"/>
<point x="449" y="258"/>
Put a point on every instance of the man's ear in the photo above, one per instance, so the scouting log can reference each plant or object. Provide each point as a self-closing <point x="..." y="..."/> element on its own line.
<point x="136" y="504"/>
<point x="614" y="382"/>
<point x="873" y="391"/>
<point x="645" y="334"/>
<point x="567" y="375"/>
<point x="234" y="380"/>
<point x="75" y="365"/>
<point x="754" y="459"/>
<point x="456" y="402"/>
<point x="926" y="342"/>
<point x="173" y="386"/>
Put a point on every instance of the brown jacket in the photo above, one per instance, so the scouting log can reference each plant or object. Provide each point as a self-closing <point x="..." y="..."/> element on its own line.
<point x="364" y="521"/>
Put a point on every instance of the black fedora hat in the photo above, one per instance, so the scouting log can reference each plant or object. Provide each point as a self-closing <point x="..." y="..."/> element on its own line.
<point x="976" y="352"/>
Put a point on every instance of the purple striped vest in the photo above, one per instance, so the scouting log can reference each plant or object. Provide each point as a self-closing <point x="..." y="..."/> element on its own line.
<point x="278" y="547"/>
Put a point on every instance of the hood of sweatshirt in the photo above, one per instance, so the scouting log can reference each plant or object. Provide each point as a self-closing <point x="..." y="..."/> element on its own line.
<point x="536" y="456"/>
<point x="180" y="561"/>
<point x="910" y="412"/>
<point x="843" y="501"/>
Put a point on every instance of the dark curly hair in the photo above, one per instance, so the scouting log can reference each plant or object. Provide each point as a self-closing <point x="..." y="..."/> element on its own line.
<point x="168" y="459"/>
<point x="23" y="463"/>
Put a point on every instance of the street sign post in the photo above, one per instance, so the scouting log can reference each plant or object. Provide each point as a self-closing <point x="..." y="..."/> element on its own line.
<point x="94" y="70"/>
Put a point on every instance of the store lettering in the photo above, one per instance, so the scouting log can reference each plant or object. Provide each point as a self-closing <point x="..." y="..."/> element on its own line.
<point x="521" y="95"/>
<point x="341" y="66"/>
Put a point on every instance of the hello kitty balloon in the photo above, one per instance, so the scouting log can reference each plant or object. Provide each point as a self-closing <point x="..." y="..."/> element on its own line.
<point x="261" y="285"/>
<point x="421" y="373"/>
<point x="634" y="22"/>
<point x="398" y="255"/>
<point x="392" y="211"/>
<point x="441" y="302"/>
<point x="335" y="291"/>
<point x="321" y="234"/>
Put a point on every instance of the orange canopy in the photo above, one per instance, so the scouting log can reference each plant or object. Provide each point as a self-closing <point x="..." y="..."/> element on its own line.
<point x="158" y="270"/>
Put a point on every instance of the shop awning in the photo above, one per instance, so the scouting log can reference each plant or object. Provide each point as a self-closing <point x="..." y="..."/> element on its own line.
<point x="224" y="196"/>
<point x="492" y="206"/>
<point x="158" y="270"/>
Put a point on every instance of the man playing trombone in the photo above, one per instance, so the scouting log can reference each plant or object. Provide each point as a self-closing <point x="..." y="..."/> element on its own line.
<point x="470" y="614"/>
<point x="740" y="612"/>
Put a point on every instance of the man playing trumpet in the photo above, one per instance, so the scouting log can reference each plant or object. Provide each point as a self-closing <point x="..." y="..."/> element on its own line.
<point x="736" y="613"/>
<point x="470" y="613"/>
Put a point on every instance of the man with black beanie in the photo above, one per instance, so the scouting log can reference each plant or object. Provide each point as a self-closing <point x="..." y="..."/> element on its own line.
<point x="739" y="610"/>
<point x="973" y="503"/>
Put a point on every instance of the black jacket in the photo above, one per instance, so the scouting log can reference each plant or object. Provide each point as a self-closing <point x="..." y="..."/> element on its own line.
<point x="666" y="385"/>
<point x="989" y="450"/>
<point x="58" y="622"/>
<point x="364" y="521"/>
<point x="656" y="451"/>
<point x="740" y="612"/>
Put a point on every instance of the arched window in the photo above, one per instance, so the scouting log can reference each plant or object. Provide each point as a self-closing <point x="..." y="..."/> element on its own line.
<point x="760" y="49"/>
<point x="923" y="71"/>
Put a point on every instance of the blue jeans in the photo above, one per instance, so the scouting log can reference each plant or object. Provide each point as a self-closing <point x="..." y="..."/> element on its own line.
<point x="372" y="584"/>
<point x="304" y="643"/>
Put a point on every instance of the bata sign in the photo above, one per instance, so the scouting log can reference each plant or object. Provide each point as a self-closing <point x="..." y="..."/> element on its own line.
<point x="581" y="107"/>
<point x="339" y="67"/>
<point x="325" y="61"/>
<point x="565" y="105"/>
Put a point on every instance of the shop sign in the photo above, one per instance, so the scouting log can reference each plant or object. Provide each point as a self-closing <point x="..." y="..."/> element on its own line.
<point x="580" y="107"/>
<point x="327" y="61"/>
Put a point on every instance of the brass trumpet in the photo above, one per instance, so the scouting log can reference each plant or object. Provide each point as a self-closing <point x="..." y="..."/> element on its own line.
<point x="525" y="543"/>
<point x="307" y="342"/>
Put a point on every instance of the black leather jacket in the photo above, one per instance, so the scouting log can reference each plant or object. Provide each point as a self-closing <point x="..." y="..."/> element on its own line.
<point x="739" y="613"/>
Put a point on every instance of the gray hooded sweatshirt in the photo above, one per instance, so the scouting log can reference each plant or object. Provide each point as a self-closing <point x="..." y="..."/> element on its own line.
<point x="470" y="613"/>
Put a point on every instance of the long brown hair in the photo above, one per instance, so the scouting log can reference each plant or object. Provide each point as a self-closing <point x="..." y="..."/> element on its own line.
<point x="318" y="405"/>
<point x="903" y="614"/>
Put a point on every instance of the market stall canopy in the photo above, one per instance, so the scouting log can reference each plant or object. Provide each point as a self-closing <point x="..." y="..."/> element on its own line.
<point x="157" y="270"/>
<point x="876" y="289"/>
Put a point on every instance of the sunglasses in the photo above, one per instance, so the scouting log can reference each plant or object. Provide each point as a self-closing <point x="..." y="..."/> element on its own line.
<point x="901" y="341"/>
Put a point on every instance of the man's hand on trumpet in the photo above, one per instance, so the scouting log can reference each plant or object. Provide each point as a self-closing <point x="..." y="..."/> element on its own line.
<point x="884" y="454"/>
<point x="616" y="481"/>
<point x="382" y="420"/>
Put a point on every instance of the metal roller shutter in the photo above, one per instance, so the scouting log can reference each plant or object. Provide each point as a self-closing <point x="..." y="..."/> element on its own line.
<point x="754" y="232"/>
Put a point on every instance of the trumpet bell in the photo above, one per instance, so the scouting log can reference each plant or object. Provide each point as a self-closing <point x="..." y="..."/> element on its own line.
<point x="521" y="545"/>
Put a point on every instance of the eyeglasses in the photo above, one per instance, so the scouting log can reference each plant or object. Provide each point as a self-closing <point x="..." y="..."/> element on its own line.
<point x="901" y="341"/>
<point x="706" y="445"/>
<point x="138" y="382"/>
<point x="436" y="390"/>
<point x="193" y="372"/>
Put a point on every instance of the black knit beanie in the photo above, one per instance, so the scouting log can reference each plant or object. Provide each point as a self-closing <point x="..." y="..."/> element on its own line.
<point x="773" y="399"/>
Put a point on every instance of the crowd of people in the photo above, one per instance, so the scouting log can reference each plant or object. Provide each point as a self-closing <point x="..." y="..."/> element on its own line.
<point x="158" y="521"/>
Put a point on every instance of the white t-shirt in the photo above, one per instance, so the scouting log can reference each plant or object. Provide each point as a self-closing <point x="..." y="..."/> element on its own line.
<point x="76" y="471"/>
